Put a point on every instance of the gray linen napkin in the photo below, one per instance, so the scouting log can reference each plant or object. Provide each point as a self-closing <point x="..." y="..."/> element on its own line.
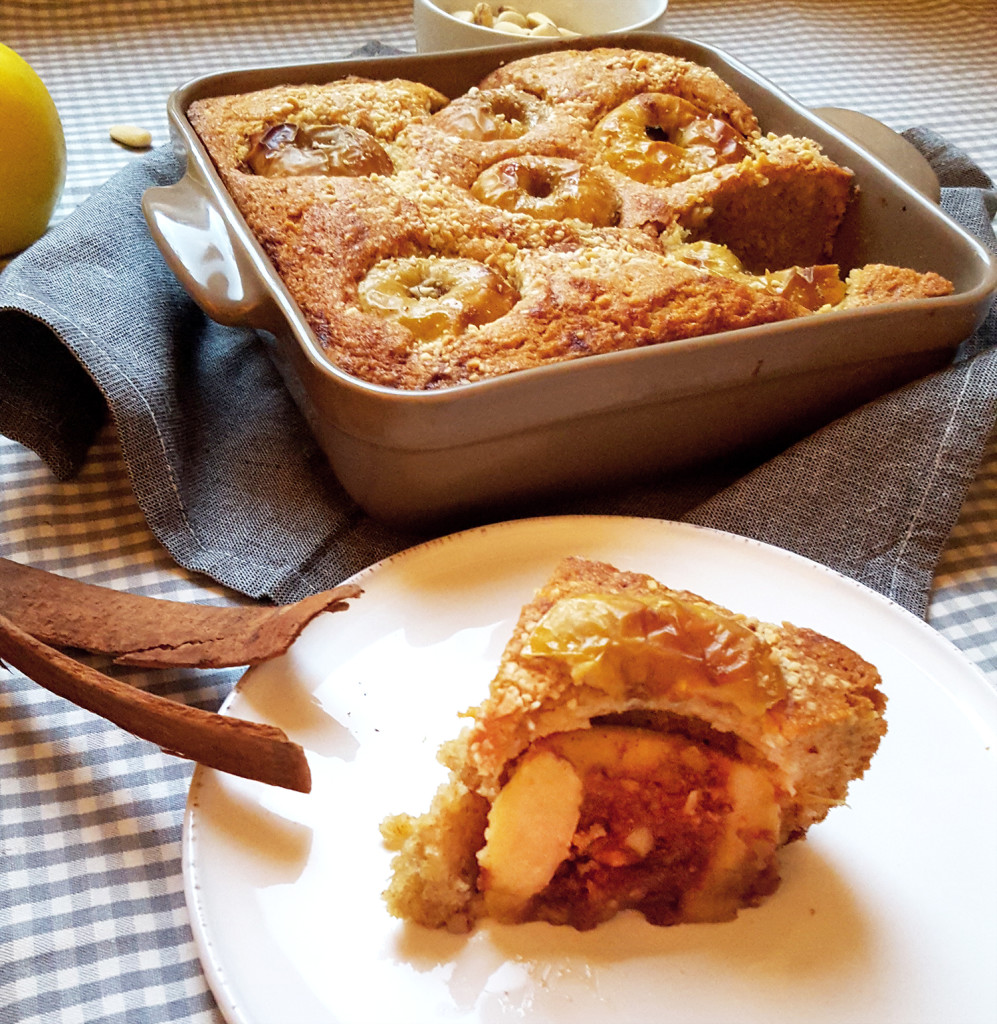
<point x="233" y="485"/>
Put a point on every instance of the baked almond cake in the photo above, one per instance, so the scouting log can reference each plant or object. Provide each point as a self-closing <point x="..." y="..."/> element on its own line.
<point x="640" y="748"/>
<point x="572" y="203"/>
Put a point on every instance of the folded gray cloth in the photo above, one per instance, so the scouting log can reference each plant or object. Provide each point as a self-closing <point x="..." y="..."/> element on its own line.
<point x="233" y="485"/>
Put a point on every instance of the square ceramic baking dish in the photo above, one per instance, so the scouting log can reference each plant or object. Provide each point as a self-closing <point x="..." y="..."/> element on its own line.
<point x="418" y="457"/>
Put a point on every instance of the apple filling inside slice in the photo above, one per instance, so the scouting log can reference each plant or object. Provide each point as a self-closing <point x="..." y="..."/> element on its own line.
<point x="615" y="817"/>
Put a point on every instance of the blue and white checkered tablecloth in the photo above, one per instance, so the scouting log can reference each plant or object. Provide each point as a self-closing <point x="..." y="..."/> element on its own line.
<point x="93" y="925"/>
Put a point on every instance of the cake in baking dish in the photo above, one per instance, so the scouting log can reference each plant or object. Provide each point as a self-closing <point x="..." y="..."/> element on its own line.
<point x="639" y="749"/>
<point x="572" y="203"/>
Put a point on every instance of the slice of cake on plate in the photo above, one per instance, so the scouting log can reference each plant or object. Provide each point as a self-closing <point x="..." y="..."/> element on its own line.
<point x="640" y="748"/>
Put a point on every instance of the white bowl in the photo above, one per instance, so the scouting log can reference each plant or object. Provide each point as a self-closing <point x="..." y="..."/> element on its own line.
<point x="437" y="30"/>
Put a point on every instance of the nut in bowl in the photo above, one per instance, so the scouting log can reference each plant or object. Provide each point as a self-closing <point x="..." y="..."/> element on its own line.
<point x="442" y="25"/>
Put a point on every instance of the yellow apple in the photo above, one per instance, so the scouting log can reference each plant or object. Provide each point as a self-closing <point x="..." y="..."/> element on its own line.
<point x="529" y="832"/>
<point x="32" y="154"/>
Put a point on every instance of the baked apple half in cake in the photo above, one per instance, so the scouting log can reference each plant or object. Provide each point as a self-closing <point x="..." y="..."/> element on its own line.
<point x="640" y="748"/>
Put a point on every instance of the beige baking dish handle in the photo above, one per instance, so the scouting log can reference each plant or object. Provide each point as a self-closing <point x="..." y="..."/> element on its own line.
<point x="214" y="266"/>
<point x="901" y="156"/>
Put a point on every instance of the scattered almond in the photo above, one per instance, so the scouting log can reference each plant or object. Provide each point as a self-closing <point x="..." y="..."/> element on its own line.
<point x="131" y="136"/>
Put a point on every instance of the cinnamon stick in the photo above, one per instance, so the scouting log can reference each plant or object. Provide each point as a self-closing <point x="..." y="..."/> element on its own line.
<point x="150" y="632"/>
<point x="248" y="749"/>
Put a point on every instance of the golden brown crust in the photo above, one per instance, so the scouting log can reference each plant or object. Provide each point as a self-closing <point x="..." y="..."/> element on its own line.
<point x="780" y="207"/>
<point x="521" y="176"/>
<point x="794" y="707"/>
<point x="483" y="126"/>
<point x="877" y="283"/>
<point x="589" y="83"/>
<point x="588" y="299"/>
<point x="826" y="682"/>
<point x="381" y="108"/>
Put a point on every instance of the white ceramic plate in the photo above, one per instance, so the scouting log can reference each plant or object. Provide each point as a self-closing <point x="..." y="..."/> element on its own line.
<point x="887" y="913"/>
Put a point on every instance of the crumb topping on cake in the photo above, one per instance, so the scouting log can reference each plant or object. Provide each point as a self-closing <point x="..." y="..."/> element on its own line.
<point x="580" y="178"/>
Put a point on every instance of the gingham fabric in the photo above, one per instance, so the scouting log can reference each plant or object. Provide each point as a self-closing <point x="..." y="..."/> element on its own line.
<point x="93" y="926"/>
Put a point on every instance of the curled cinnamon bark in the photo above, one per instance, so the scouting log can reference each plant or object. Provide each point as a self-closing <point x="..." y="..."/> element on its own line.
<point x="150" y="632"/>
<point x="239" y="747"/>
